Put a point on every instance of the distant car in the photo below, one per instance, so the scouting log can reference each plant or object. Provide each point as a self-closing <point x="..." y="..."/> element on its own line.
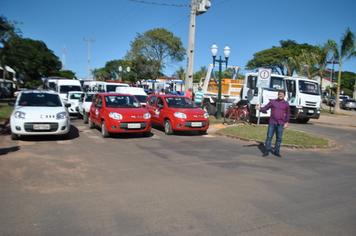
<point x="84" y="105"/>
<point x="39" y="113"/>
<point x="119" y="113"/>
<point x="349" y="104"/>
<point x="177" y="113"/>
<point x="332" y="100"/>
<point x="73" y="99"/>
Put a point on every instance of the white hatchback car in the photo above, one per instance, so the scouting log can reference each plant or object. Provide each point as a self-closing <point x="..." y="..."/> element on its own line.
<point x="74" y="99"/>
<point x="84" y="105"/>
<point x="39" y="112"/>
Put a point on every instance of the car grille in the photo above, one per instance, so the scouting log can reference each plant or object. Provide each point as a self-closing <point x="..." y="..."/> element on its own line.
<point x="125" y="125"/>
<point x="310" y="104"/>
<point x="29" y="127"/>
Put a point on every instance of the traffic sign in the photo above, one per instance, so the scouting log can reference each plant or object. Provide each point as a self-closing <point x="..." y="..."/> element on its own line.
<point x="264" y="77"/>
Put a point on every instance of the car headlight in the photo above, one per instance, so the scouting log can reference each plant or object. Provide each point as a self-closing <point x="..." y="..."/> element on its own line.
<point x="61" y="115"/>
<point x="180" y="115"/>
<point x="147" y="116"/>
<point x="206" y="115"/>
<point x="115" y="116"/>
<point x="20" y="115"/>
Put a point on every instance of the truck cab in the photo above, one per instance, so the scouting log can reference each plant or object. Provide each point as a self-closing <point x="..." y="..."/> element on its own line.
<point x="304" y="98"/>
<point x="263" y="95"/>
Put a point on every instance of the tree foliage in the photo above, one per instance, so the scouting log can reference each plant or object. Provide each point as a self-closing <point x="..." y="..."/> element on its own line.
<point x="281" y="59"/>
<point x="154" y="49"/>
<point x="66" y="74"/>
<point x="30" y="58"/>
<point x="7" y="30"/>
<point x="345" y="50"/>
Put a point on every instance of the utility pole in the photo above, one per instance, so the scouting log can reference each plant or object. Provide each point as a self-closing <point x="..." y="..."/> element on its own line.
<point x="64" y="53"/>
<point x="89" y="41"/>
<point x="197" y="7"/>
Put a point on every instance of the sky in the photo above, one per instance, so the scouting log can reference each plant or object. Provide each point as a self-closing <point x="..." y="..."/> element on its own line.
<point x="245" y="26"/>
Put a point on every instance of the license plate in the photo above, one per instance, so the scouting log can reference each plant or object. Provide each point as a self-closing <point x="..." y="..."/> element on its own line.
<point x="41" y="127"/>
<point x="134" y="126"/>
<point x="197" y="124"/>
<point x="310" y="111"/>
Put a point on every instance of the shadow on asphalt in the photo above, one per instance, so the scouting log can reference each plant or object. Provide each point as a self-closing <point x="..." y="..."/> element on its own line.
<point x="4" y="151"/>
<point x="178" y="133"/>
<point x="73" y="134"/>
<point x="259" y="145"/>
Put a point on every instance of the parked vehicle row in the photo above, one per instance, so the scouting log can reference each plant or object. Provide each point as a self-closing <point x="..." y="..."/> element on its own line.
<point x="41" y="112"/>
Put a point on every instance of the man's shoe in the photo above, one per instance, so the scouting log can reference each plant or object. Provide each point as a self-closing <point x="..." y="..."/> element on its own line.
<point x="278" y="155"/>
<point x="265" y="154"/>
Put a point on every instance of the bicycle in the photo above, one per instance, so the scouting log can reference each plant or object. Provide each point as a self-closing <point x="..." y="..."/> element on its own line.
<point x="236" y="113"/>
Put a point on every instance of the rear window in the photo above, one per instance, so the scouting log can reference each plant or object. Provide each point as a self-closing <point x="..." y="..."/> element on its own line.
<point x="39" y="100"/>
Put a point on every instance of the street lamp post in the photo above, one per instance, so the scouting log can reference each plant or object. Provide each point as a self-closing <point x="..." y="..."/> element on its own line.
<point x="214" y="52"/>
<point x="121" y="71"/>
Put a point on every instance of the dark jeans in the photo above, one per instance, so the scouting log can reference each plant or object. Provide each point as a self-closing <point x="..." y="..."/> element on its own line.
<point x="278" y="129"/>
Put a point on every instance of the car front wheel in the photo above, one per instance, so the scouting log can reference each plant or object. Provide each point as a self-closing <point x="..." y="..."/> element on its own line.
<point x="104" y="131"/>
<point x="91" y="124"/>
<point x="14" y="136"/>
<point x="85" y="117"/>
<point x="168" y="127"/>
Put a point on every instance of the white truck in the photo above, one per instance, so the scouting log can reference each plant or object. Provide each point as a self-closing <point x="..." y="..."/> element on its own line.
<point x="261" y="95"/>
<point x="304" y="98"/>
<point x="67" y="85"/>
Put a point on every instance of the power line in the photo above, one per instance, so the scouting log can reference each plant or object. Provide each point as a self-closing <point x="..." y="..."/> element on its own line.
<point x="160" y="3"/>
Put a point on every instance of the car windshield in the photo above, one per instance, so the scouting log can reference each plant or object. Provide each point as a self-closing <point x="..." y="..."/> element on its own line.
<point x="89" y="97"/>
<point x="309" y="87"/>
<point x="118" y="101"/>
<point x="40" y="100"/>
<point x="180" y="102"/>
<point x="68" y="88"/>
<point x="75" y="96"/>
<point x="141" y="98"/>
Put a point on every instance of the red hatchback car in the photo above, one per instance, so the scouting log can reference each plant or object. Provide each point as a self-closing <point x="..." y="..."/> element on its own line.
<point x="177" y="113"/>
<point x="119" y="113"/>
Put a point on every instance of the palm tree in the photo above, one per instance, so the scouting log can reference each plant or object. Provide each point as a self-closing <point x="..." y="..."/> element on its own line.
<point x="344" y="51"/>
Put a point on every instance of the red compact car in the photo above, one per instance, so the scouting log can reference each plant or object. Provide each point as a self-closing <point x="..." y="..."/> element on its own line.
<point x="119" y="113"/>
<point x="177" y="113"/>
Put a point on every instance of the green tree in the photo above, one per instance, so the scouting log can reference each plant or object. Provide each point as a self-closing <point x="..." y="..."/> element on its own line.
<point x="30" y="58"/>
<point x="180" y="73"/>
<point x="66" y="74"/>
<point x="280" y="59"/>
<point x="157" y="47"/>
<point x="200" y="74"/>
<point x="345" y="50"/>
<point x="101" y="74"/>
<point x="7" y="30"/>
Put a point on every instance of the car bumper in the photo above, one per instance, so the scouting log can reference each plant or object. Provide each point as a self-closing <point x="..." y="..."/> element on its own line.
<point x="190" y="125"/>
<point x="28" y="127"/>
<point x="305" y="112"/>
<point x="141" y="126"/>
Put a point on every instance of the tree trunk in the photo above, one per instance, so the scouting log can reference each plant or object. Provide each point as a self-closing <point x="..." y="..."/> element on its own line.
<point x="337" y="99"/>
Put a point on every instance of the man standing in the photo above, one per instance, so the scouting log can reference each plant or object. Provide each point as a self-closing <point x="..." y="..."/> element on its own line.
<point x="198" y="98"/>
<point x="280" y="113"/>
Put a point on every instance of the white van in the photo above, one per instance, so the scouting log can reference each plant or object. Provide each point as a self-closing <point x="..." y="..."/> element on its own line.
<point x="111" y="87"/>
<point x="67" y="85"/>
<point x="139" y="93"/>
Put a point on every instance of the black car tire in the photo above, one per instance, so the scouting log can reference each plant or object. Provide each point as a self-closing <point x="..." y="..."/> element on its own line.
<point x="168" y="127"/>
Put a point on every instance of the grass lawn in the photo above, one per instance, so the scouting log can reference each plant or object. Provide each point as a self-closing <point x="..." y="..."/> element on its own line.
<point x="213" y="120"/>
<point x="5" y="111"/>
<point x="290" y="136"/>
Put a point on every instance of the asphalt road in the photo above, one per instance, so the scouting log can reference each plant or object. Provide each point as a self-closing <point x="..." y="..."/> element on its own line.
<point x="175" y="185"/>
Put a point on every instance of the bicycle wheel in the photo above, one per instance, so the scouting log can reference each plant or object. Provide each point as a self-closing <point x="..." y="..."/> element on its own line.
<point x="230" y="117"/>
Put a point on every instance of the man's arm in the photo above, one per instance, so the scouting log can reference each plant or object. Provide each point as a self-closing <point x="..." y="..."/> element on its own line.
<point x="287" y="115"/>
<point x="265" y="108"/>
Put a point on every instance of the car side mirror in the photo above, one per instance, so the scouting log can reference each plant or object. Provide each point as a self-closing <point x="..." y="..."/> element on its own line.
<point x="67" y="105"/>
<point x="11" y="104"/>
